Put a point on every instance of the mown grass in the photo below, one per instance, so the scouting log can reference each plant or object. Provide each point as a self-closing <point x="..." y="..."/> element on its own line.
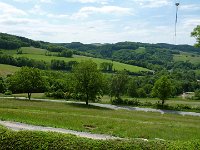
<point x="193" y="58"/>
<point x="129" y="124"/>
<point x="7" y="69"/>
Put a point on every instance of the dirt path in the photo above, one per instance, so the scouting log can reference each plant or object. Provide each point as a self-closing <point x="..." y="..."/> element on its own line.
<point x="21" y="126"/>
<point x="115" y="107"/>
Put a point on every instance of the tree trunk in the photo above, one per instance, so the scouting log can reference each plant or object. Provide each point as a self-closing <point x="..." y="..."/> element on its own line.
<point x="163" y="101"/>
<point x="87" y="99"/>
<point x="29" y="96"/>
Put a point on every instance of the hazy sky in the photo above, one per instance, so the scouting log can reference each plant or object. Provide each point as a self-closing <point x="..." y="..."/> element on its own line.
<point x="100" y="21"/>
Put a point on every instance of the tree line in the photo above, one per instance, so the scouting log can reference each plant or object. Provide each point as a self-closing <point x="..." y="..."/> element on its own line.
<point x="86" y="82"/>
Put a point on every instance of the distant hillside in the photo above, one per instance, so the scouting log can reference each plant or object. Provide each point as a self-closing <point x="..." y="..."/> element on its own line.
<point x="8" y="41"/>
<point x="152" y="56"/>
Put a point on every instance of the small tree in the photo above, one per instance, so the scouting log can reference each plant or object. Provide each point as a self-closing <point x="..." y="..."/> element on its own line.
<point x="2" y="85"/>
<point x="27" y="80"/>
<point x="162" y="89"/>
<point x="197" y="94"/>
<point x="88" y="80"/>
<point x="196" y="34"/>
<point x="118" y="84"/>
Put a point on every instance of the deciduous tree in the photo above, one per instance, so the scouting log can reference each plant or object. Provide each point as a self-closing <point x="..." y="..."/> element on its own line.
<point x="88" y="80"/>
<point x="162" y="89"/>
<point x="196" y="34"/>
<point x="27" y="80"/>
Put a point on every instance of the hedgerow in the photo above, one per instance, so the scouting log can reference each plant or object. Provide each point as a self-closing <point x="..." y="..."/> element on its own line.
<point x="55" y="141"/>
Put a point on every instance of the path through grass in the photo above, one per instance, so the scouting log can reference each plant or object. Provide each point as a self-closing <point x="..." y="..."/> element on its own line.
<point x="129" y="124"/>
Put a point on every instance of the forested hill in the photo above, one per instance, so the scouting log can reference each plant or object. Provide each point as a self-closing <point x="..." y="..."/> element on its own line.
<point x="128" y="45"/>
<point x="152" y="56"/>
<point x="8" y="41"/>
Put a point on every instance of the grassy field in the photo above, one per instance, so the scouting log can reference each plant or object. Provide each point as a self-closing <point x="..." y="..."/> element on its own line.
<point x="7" y="69"/>
<point x="26" y="50"/>
<point x="193" y="58"/>
<point x="39" y="54"/>
<point x="116" y="65"/>
<point x="129" y="124"/>
<point x="140" y="50"/>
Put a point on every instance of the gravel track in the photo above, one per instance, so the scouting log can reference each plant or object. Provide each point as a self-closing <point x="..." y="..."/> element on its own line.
<point x="16" y="126"/>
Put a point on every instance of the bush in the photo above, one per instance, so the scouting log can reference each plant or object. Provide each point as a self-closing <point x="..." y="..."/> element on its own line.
<point x="197" y="95"/>
<point x="50" y="141"/>
<point x="8" y="92"/>
<point x="58" y="94"/>
<point x="117" y="101"/>
<point x="133" y="102"/>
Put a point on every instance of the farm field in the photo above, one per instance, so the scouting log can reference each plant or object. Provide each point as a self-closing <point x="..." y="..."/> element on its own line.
<point x="39" y="54"/>
<point x="7" y="69"/>
<point x="193" y="58"/>
<point x="100" y="120"/>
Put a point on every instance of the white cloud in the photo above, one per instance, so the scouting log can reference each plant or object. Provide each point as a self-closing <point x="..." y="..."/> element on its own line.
<point x="190" y="7"/>
<point x="153" y="3"/>
<point x="6" y="9"/>
<point x="38" y="1"/>
<point x="91" y="1"/>
<point x="86" y="11"/>
<point x="37" y="10"/>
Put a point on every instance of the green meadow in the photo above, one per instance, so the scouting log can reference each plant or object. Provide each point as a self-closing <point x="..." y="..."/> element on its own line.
<point x="193" y="58"/>
<point x="7" y="69"/>
<point x="39" y="54"/>
<point x="121" y="123"/>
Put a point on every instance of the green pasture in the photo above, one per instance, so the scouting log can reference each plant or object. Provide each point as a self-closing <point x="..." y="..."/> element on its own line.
<point x="7" y="69"/>
<point x="193" y="58"/>
<point x="126" y="124"/>
<point x="39" y="54"/>
<point x="140" y="50"/>
<point x="26" y="50"/>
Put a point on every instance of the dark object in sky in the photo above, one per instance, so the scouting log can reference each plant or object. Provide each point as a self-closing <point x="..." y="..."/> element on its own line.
<point x="177" y="5"/>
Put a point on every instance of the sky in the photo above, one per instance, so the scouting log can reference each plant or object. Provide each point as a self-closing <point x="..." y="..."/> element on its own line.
<point x="100" y="21"/>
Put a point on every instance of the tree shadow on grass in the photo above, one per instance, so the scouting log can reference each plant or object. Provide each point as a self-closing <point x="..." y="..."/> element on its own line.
<point x="87" y="106"/>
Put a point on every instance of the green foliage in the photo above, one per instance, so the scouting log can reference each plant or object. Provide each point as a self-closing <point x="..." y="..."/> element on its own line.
<point x="8" y="92"/>
<point x="196" y="34"/>
<point x="22" y="61"/>
<point x="106" y="67"/>
<point x="88" y="80"/>
<point x="49" y="141"/>
<point x="141" y="92"/>
<point x="2" y="85"/>
<point x="14" y="42"/>
<point x="197" y="94"/>
<point x="27" y="80"/>
<point x="62" y="65"/>
<point x="66" y="53"/>
<point x="118" y="84"/>
<point x="132" y="87"/>
<point x="162" y="88"/>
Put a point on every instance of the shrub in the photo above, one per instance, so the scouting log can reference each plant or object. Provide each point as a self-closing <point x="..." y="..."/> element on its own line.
<point x="8" y="92"/>
<point x="49" y="141"/>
